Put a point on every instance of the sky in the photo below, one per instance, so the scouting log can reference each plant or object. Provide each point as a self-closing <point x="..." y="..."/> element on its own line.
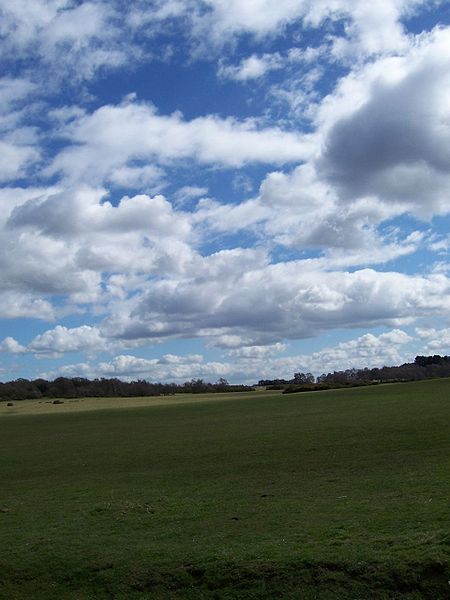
<point x="222" y="188"/>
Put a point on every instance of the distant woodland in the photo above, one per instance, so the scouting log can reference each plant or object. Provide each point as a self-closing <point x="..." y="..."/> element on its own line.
<point x="79" y="387"/>
<point x="423" y="367"/>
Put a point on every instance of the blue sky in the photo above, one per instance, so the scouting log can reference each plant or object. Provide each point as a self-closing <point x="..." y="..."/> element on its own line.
<point x="211" y="188"/>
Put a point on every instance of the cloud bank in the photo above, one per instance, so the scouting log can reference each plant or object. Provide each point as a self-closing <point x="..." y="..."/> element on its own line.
<point x="299" y="188"/>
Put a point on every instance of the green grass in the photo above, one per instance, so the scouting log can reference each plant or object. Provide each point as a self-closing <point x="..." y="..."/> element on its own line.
<point x="326" y="495"/>
<point x="46" y="406"/>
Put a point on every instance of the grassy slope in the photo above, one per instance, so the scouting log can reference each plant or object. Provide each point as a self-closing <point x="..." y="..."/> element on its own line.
<point x="44" y="407"/>
<point x="341" y="494"/>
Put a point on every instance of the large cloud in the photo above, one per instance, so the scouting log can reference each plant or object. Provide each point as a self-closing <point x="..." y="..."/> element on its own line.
<point x="63" y="243"/>
<point x="387" y="131"/>
<point x="71" y="214"/>
<point x="62" y="339"/>
<point x="280" y="301"/>
<point x="243" y="308"/>
<point x="88" y="339"/>
<point x="107" y="140"/>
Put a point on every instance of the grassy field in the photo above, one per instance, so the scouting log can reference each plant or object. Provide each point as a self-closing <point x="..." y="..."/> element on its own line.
<point x="327" y="495"/>
<point x="39" y="407"/>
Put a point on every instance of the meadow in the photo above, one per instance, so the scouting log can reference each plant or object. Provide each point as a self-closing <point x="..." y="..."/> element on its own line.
<point x="341" y="494"/>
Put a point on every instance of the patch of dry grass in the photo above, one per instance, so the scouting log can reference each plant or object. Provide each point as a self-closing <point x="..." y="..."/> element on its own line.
<point x="47" y="406"/>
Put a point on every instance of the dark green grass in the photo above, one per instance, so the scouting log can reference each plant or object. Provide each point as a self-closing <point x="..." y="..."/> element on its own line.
<point x="330" y="495"/>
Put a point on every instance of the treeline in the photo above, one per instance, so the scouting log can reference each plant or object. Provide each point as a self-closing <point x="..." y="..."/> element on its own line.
<point x="423" y="367"/>
<point x="79" y="387"/>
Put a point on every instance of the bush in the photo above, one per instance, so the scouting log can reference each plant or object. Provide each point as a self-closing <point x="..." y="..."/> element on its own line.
<point x="314" y="387"/>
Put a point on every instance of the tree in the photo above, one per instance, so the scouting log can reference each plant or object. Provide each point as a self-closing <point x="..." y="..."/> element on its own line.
<point x="300" y="378"/>
<point x="221" y="384"/>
